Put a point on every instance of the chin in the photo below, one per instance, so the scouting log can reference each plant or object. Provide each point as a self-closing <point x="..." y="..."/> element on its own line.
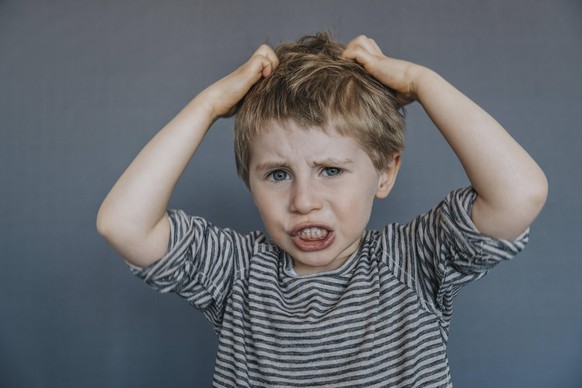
<point x="314" y="264"/>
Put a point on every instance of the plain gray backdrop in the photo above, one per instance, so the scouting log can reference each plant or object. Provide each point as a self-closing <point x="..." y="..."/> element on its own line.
<point x="85" y="84"/>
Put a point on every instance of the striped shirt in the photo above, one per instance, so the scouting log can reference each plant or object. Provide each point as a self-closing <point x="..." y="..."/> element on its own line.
<point x="381" y="320"/>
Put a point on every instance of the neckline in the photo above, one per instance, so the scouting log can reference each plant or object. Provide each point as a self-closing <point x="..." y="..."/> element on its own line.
<point x="287" y="266"/>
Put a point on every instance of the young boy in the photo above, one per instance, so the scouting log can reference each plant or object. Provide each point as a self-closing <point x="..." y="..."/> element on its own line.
<point x="322" y="301"/>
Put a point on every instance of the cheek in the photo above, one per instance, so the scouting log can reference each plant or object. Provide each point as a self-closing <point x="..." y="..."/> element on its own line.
<point x="362" y="193"/>
<point x="268" y="206"/>
<point x="357" y="206"/>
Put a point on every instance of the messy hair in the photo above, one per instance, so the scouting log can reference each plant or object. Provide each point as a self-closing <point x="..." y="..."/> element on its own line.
<point x="316" y="88"/>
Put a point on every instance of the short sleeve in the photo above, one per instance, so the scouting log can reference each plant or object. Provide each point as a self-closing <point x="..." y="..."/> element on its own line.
<point x="470" y="251"/>
<point x="201" y="264"/>
<point x="441" y="251"/>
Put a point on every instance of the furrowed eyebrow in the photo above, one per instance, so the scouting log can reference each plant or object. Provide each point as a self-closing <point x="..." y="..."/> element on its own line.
<point x="328" y="162"/>
<point x="271" y="166"/>
<point x="333" y="162"/>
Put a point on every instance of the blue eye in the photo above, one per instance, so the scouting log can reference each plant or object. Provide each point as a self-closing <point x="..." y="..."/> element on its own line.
<point x="332" y="171"/>
<point x="278" y="175"/>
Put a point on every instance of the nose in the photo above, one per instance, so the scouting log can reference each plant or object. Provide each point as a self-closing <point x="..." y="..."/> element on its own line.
<point x="304" y="197"/>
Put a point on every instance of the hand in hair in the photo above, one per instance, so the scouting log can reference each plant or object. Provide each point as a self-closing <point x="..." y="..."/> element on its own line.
<point x="397" y="74"/>
<point x="511" y="187"/>
<point x="224" y="95"/>
<point x="133" y="217"/>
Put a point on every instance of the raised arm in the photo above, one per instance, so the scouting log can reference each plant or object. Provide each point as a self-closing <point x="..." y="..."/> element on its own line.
<point x="133" y="217"/>
<point x="511" y="187"/>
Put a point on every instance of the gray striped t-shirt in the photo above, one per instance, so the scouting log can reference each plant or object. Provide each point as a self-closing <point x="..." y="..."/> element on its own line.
<point x="381" y="320"/>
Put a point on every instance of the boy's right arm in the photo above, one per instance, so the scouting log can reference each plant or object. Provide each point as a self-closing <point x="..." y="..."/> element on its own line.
<point x="132" y="218"/>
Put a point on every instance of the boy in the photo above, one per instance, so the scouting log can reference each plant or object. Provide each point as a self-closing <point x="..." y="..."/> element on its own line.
<point x="324" y="302"/>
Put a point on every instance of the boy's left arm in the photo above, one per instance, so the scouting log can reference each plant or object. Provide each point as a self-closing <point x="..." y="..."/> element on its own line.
<point x="511" y="188"/>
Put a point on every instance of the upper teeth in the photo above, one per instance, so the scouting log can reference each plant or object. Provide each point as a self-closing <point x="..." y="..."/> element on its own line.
<point x="312" y="232"/>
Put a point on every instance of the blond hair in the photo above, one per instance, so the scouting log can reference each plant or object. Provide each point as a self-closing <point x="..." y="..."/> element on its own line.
<point x="316" y="88"/>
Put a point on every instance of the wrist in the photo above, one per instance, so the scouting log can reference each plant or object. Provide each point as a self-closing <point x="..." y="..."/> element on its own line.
<point x="425" y="82"/>
<point x="419" y="77"/>
<point x="205" y="106"/>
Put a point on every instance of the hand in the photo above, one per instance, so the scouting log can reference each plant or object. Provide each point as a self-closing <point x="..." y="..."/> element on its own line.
<point x="398" y="75"/>
<point x="223" y="96"/>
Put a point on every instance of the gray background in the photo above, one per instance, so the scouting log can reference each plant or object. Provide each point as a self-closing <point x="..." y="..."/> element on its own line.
<point x="84" y="85"/>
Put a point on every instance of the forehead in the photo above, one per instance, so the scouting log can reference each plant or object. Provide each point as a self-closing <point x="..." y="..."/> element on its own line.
<point x="291" y="142"/>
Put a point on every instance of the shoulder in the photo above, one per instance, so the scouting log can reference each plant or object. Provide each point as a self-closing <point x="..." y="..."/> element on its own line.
<point x="397" y="240"/>
<point x="183" y="223"/>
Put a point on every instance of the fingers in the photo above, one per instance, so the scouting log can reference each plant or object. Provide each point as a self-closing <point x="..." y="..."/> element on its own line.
<point x="363" y="50"/>
<point x="375" y="46"/>
<point x="363" y="43"/>
<point x="264" y="60"/>
<point x="269" y="55"/>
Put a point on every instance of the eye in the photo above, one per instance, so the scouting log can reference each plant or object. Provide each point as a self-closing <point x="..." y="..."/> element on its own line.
<point x="331" y="171"/>
<point x="278" y="175"/>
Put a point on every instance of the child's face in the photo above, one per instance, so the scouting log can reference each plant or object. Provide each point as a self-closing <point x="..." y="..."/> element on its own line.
<point x="314" y="191"/>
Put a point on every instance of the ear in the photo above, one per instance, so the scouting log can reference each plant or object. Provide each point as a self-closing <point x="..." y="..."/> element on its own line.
<point x="387" y="177"/>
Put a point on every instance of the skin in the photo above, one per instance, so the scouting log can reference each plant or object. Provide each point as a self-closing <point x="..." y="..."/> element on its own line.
<point x="511" y="187"/>
<point x="132" y="218"/>
<point x="314" y="204"/>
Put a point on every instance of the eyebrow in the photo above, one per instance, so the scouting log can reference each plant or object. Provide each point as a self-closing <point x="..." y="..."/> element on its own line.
<point x="268" y="166"/>
<point x="333" y="162"/>
<point x="271" y="166"/>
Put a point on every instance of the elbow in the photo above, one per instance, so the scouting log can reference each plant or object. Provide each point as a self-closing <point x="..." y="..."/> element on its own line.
<point x="115" y="235"/>
<point x="515" y="210"/>
<point x="103" y="224"/>
<point x="541" y="193"/>
<point x="138" y="246"/>
<point x="536" y="194"/>
<point x="108" y="224"/>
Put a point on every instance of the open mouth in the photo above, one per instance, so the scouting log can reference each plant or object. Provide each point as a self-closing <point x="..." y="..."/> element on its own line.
<point x="312" y="234"/>
<point x="312" y="238"/>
